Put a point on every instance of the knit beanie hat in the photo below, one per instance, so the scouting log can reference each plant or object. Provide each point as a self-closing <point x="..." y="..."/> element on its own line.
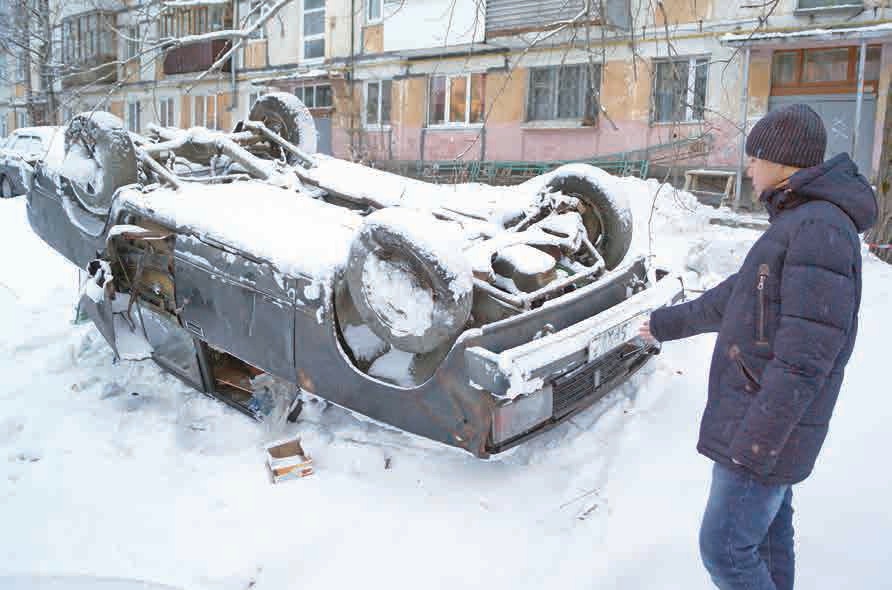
<point x="793" y="136"/>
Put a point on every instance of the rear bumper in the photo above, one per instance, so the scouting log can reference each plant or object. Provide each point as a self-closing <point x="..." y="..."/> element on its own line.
<point x="570" y="369"/>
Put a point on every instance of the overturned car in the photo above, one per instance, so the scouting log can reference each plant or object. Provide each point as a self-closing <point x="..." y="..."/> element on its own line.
<point x="472" y="315"/>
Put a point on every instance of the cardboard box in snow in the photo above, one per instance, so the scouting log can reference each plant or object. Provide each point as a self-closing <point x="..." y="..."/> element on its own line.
<point x="287" y="460"/>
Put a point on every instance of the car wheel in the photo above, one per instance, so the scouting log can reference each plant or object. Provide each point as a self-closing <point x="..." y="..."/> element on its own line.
<point x="99" y="159"/>
<point x="287" y="116"/>
<point x="5" y="188"/>
<point x="607" y="218"/>
<point x="409" y="280"/>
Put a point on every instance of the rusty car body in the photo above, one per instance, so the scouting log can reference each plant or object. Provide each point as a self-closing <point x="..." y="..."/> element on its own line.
<point x="223" y="306"/>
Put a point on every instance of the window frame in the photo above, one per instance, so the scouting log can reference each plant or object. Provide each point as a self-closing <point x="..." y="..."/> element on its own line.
<point x="847" y="86"/>
<point x="131" y="42"/>
<point x="205" y="100"/>
<point x="691" y="86"/>
<point x="370" y="20"/>
<point x="315" y="88"/>
<point x="171" y="110"/>
<point x="88" y="36"/>
<point x="589" y="96"/>
<point x="841" y="5"/>
<point x="379" y="123"/>
<point x="129" y="116"/>
<point x="309" y="38"/>
<point x="447" y="106"/>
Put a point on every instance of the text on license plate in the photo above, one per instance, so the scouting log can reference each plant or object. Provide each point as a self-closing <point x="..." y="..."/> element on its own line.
<point x="612" y="337"/>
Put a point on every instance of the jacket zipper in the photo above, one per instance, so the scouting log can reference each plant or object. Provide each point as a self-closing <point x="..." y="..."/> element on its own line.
<point x="760" y="287"/>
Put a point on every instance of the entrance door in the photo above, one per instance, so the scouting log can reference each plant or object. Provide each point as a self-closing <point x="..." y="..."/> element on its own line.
<point x="838" y="113"/>
<point x="323" y="126"/>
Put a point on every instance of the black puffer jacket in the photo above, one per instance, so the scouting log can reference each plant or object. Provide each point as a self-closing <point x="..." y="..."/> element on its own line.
<point x="787" y="322"/>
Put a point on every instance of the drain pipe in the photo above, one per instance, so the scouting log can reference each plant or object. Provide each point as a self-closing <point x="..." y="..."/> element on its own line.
<point x="744" y="105"/>
<point x="860" y="100"/>
<point x="233" y="67"/>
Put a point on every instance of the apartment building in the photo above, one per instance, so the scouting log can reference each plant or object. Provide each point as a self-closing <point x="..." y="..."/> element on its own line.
<point x="491" y="80"/>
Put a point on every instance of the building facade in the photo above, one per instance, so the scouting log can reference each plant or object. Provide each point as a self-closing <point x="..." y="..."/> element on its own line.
<point x="516" y="80"/>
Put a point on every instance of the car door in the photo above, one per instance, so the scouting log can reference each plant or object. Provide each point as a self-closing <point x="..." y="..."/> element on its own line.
<point x="17" y="167"/>
<point x="5" y="154"/>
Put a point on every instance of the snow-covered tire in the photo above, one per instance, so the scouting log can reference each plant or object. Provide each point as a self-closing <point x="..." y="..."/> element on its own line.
<point x="5" y="188"/>
<point x="607" y="218"/>
<point x="409" y="279"/>
<point x="286" y="115"/>
<point x="99" y="159"/>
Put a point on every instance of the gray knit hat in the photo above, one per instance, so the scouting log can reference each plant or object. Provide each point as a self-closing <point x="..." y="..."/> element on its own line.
<point x="793" y="135"/>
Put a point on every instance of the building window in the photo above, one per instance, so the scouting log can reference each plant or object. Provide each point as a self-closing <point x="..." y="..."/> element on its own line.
<point x="194" y="20"/>
<point x="21" y="119"/>
<point x="377" y="103"/>
<point x="818" y="4"/>
<point x="679" y="90"/>
<point x="314" y="29"/>
<point x="827" y="70"/>
<point x="315" y="97"/>
<point x="131" y="43"/>
<point x="563" y="92"/>
<point x="20" y="69"/>
<point x="455" y="100"/>
<point x="205" y="112"/>
<point x="134" y="115"/>
<point x="87" y="37"/>
<point x="166" y="112"/>
<point x="374" y="11"/>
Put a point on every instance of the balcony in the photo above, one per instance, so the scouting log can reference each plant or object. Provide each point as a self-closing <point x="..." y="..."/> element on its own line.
<point x="100" y="69"/>
<point x="197" y="57"/>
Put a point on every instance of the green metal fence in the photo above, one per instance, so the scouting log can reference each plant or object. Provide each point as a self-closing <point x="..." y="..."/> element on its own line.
<point x="500" y="172"/>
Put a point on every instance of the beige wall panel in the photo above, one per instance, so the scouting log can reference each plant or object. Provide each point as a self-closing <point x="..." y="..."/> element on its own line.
<point x="255" y="54"/>
<point x="373" y="39"/>
<point x="185" y="111"/>
<point x="413" y="101"/>
<point x="508" y="94"/>
<point x="760" y="83"/>
<point x="682" y="11"/>
<point x="224" y="115"/>
<point x="625" y="90"/>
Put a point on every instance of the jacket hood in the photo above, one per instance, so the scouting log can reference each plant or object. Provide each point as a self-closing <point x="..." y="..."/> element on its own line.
<point x="837" y="180"/>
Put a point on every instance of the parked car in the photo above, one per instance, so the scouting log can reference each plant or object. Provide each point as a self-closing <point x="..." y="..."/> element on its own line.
<point x="20" y="150"/>
<point x="475" y="316"/>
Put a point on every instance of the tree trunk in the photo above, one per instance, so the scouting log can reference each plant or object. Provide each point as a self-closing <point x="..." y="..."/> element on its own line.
<point x="46" y="61"/>
<point x="881" y="235"/>
<point x="24" y="18"/>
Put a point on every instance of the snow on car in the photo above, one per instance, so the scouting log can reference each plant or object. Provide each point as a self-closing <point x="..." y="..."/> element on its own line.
<point x="472" y="315"/>
<point x="21" y="150"/>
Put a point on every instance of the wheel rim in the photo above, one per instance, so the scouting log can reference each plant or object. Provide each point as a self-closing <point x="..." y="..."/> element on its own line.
<point x="403" y="302"/>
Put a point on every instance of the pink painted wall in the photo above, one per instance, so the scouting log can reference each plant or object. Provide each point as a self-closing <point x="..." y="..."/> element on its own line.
<point x="516" y="142"/>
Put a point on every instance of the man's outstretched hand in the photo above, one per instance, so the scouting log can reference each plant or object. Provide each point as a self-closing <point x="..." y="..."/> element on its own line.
<point x="645" y="334"/>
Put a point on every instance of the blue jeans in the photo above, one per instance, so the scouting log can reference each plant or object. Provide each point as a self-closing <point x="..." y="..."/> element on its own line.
<point x="746" y="540"/>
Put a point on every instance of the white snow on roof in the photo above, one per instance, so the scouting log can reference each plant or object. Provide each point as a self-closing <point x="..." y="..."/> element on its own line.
<point x="297" y="234"/>
<point x="884" y="27"/>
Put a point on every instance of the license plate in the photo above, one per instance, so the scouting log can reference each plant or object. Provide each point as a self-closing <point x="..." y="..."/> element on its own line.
<point x="614" y="336"/>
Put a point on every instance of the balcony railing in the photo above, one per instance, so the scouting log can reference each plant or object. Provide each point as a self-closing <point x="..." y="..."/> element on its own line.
<point x="196" y="57"/>
<point x="100" y="69"/>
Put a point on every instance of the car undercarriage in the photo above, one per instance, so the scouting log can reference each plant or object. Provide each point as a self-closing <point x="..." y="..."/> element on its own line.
<point x="256" y="269"/>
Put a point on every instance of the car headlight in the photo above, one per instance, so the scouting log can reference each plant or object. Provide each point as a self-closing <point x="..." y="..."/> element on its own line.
<point x="521" y="414"/>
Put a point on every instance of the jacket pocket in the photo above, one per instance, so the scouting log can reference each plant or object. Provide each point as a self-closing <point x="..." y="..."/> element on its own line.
<point x="762" y="306"/>
<point x="753" y="384"/>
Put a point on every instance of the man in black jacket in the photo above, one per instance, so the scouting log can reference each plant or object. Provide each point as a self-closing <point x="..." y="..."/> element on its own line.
<point x="786" y="324"/>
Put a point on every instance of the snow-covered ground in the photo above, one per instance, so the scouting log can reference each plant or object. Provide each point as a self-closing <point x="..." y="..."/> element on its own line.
<point x="120" y="471"/>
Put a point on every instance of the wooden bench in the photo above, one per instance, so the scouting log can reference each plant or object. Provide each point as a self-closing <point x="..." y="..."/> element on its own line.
<point x="693" y="178"/>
